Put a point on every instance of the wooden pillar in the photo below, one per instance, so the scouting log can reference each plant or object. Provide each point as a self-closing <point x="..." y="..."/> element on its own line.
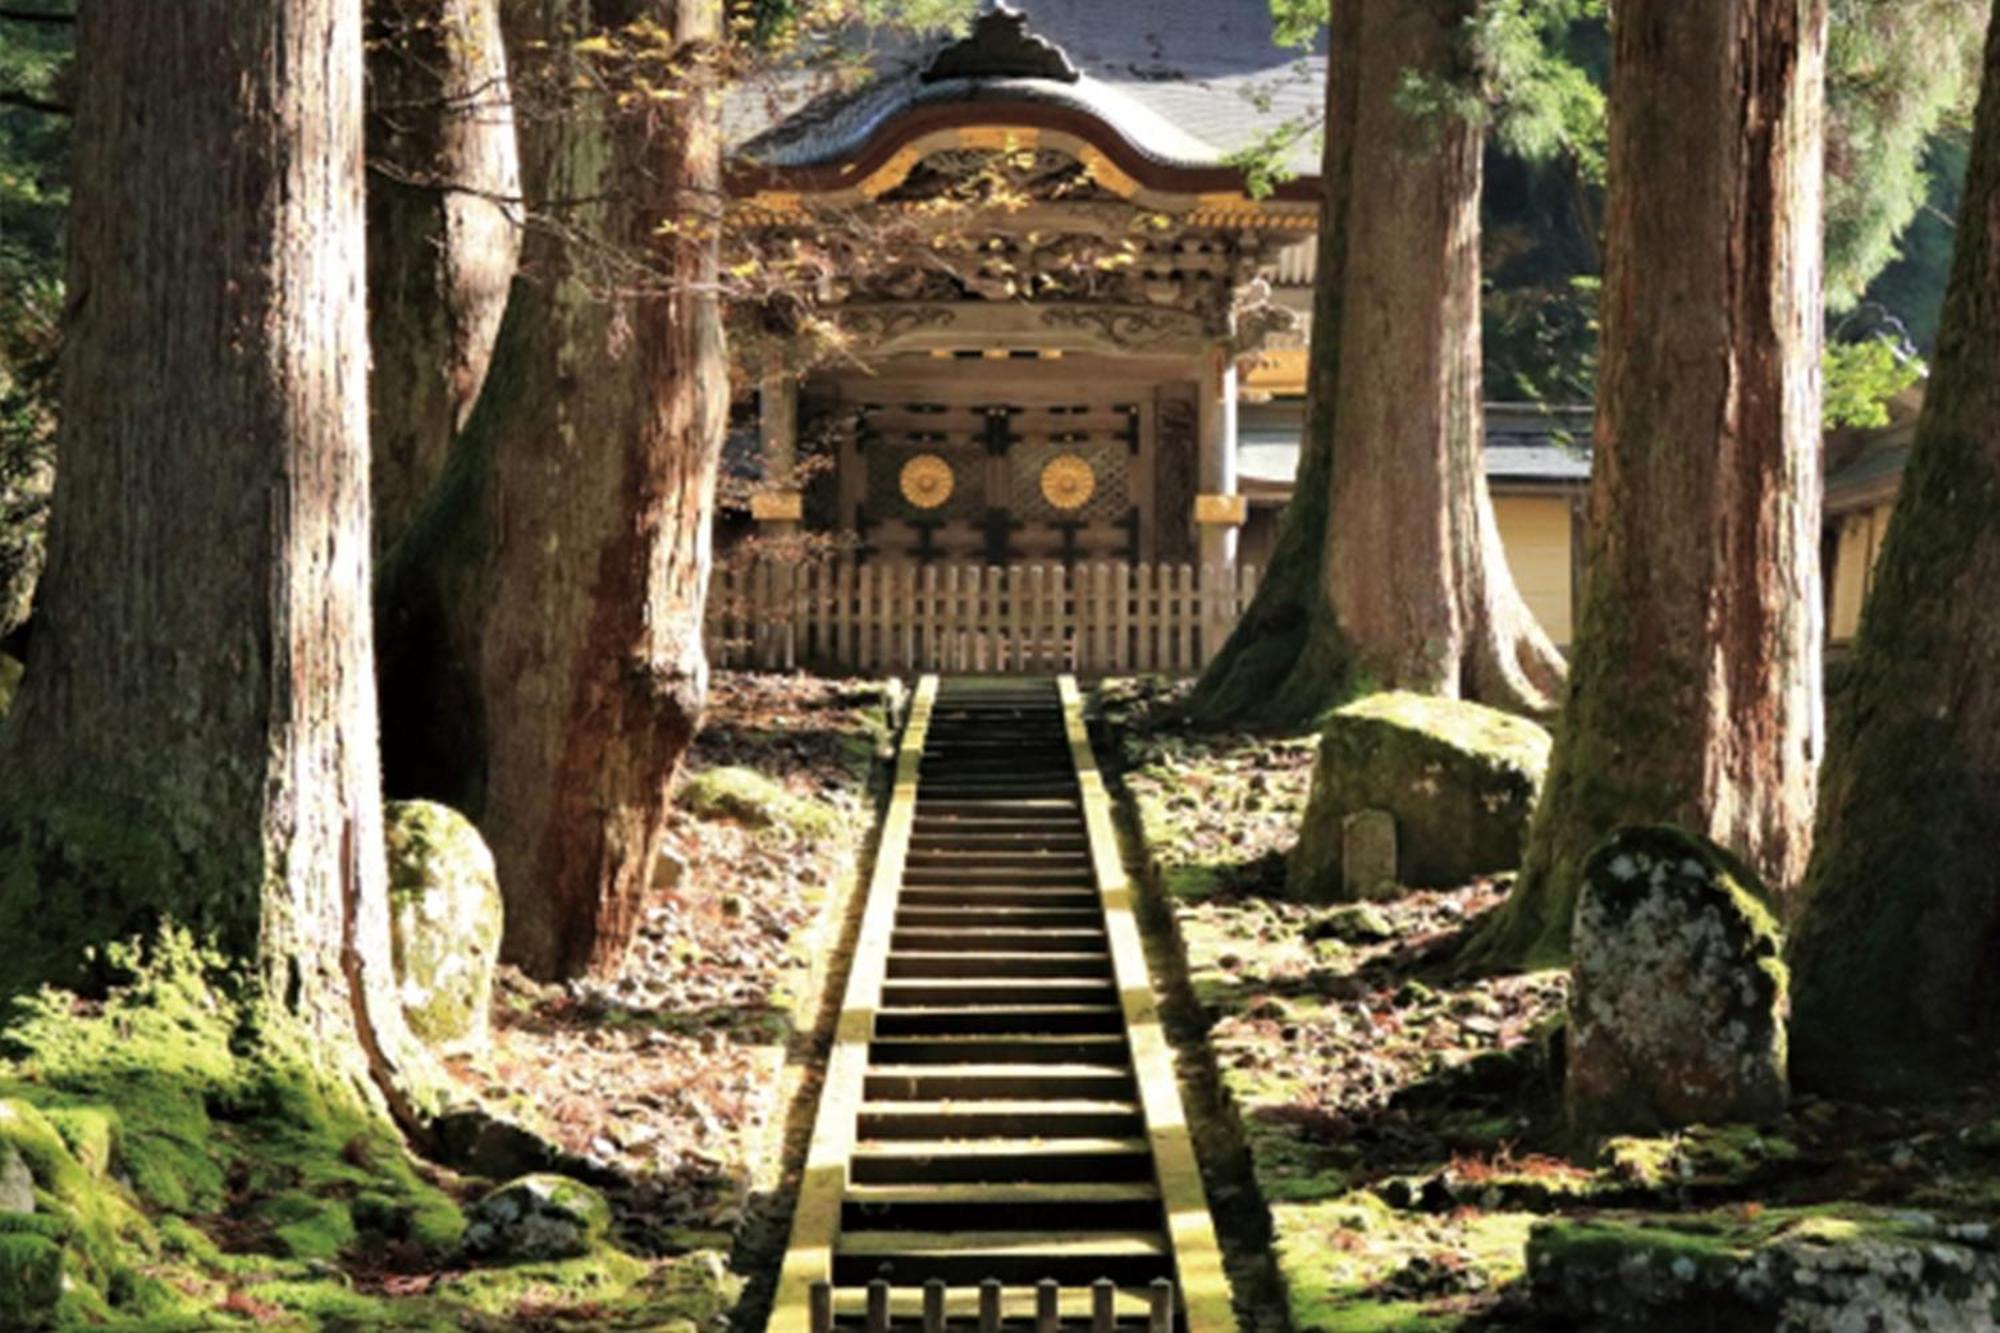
<point x="1218" y="509"/>
<point x="1217" y="409"/>
<point x="778" y="507"/>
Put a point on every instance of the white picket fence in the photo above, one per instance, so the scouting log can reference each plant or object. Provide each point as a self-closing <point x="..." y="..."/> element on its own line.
<point x="1088" y="618"/>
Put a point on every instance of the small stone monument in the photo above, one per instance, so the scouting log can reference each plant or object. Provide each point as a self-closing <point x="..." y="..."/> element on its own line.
<point x="445" y="917"/>
<point x="1456" y="781"/>
<point x="1368" y="853"/>
<point x="1677" y="998"/>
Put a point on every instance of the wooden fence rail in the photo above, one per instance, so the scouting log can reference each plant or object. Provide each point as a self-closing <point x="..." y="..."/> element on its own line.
<point x="1089" y="619"/>
<point x="997" y="1309"/>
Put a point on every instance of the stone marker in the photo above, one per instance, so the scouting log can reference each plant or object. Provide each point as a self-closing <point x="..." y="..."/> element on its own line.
<point x="445" y="917"/>
<point x="17" y="1183"/>
<point x="1368" y="853"/>
<point x="1677" y="996"/>
<point x="1456" y="780"/>
<point x="536" y="1219"/>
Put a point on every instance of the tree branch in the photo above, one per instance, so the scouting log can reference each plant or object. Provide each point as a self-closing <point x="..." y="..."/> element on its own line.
<point x="35" y="16"/>
<point x="28" y="101"/>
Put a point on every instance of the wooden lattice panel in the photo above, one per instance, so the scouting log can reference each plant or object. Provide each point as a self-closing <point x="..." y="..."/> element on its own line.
<point x="1047" y="485"/>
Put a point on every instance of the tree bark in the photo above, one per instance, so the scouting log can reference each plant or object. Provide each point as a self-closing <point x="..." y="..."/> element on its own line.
<point x="1900" y="920"/>
<point x="550" y="661"/>
<point x="1390" y="572"/>
<point x="1695" y="698"/>
<point x="444" y="234"/>
<point x="1271" y="668"/>
<point x="196" y="737"/>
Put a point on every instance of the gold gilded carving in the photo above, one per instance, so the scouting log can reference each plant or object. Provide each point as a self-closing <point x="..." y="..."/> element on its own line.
<point x="1068" y="482"/>
<point x="1220" y="509"/>
<point x="926" y="481"/>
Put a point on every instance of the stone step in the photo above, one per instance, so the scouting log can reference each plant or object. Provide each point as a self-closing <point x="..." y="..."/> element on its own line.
<point x="1126" y="1257"/>
<point x="986" y="990"/>
<point x="1113" y="1082"/>
<point x="1003" y="839"/>
<point x="1010" y="877"/>
<point x="1000" y="1161"/>
<point x="1000" y="1119"/>
<point x="907" y="965"/>
<point x="1001" y="895"/>
<point x="947" y="1050"/>
<point x="995" y="809"/>
<point x="935" y="940"/>
<point x="1025" y="855"/>
<point x="1000" y="1020"/>
<point x="999" y="918"/>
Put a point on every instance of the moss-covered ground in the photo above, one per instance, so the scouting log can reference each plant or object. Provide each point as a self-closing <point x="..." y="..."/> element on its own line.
<point x="1401" y="1122"/>
<point x="189" y="1173"/>
<point x="192" y="1171"/>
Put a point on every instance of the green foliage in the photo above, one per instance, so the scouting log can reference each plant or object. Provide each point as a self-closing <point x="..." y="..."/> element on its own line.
<point x="34" y="194"/>
<point x="1898" y="71"/>
<point x="1863" y="377"/>
<point x="1906" y="299"/>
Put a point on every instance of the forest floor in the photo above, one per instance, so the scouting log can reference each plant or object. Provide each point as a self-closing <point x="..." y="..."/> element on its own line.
<point x="1401" y="1124"/>
<point x="195" y="1180"/>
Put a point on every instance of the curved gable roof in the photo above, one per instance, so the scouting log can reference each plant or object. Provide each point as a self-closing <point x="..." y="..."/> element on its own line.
<point x="1184" y="84"/>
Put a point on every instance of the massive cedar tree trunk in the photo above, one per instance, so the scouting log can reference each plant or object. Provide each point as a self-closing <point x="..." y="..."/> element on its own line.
<point x="1390" y="571"/>
<point x="443" y="234"/>
<point x="195" y="738"/>
<point x="548" y="669"/>
<point x="1695" y="693"/>
<point x="1271" y="668"/>
<point x="1900" y="920"/>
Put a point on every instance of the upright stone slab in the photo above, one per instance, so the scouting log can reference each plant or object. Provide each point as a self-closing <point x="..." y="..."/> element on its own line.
<point x="1677" y="998"/>
<point x="1459" y="780"/>
<point x="445" y="920"/>
<point x="1368" y="852"/>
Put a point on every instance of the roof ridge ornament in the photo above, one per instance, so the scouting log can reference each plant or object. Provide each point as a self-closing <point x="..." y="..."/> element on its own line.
<point x="1001" y="47"/>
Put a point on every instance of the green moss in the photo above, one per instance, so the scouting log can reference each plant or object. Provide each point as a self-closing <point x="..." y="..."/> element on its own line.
<point x="750" y="798"/>
<point x="10" y="682"/>
<point x="306" y="1226"/>
<point x="1353" y="1263"/>
<point x="198" y="1105"/>
<point x="88" y="1132"/>
<point x="446" y="915"/>
<point x="31" y="1279"/>
<point x="1459" y="779"/>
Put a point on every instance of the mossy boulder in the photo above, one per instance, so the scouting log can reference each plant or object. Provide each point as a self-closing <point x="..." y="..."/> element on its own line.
<point x="75" y="1243"/>
<point x="1677" y="1001"/>
<point x="749" y="798"/>
<point x="1459" y="779"/>
<point x="535" y="1219"/>
<point x="31" y="1279"/>
<point x="10" y="681"/>
<point x="17" y="1183"/>
<point x="446" y="917"/>
<point x="1813" y="1270"/>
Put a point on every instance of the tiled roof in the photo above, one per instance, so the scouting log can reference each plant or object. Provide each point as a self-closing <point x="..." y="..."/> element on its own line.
<point x="1187" y="82"/>
<point x="1524" y="444"/>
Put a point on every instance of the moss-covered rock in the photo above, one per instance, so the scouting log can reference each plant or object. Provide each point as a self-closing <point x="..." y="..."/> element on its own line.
<point x="1459" y="778"/>
<point x="751" y="799"/>
<point x="17" y="1183"/>
<point x="1794" y="1269"/>
<point x="31" y="1279"/>
<point x="1677" y="999"/>
<point x="537" y="1218"/>
<point x="446" y="918"/>
<point x="10" y="681"/>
